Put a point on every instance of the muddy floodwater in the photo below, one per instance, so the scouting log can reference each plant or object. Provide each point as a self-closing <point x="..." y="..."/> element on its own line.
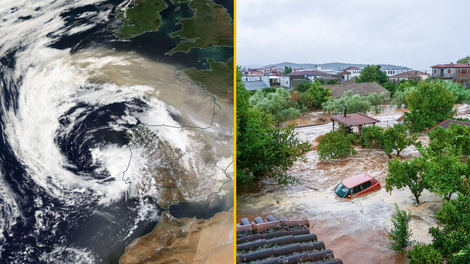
<point x="355" y="229"/>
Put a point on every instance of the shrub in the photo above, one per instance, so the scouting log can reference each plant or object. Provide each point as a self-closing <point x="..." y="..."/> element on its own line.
<point x="424" y="254"/>
<point x="355" y="103"/>
<point x="277" y="104"/>
<point x="400" y="233"/>
<point x="372" y="137"/>
<point x="336" y="144"/>
<point x="376" y="101"/>
<point x="303" y="86"/>
<point x="315" y="96"/>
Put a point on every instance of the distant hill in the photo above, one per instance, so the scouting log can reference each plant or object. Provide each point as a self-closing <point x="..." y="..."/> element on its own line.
<point x="332" y="65"/>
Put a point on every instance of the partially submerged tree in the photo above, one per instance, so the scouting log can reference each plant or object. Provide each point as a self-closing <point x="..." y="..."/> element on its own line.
<point x="277" y="104"/>
<point x="336" y="144"/>
<point x="400" y="233"/>
<point x="355" y="103"/>
<point x="376" y="101"/>
<point x="372" y="137"/>
<point x="397" y="138"/>
<point x="406" y="173"/>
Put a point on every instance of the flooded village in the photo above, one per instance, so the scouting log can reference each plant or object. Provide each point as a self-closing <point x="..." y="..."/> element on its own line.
<point x="357" y="228"/>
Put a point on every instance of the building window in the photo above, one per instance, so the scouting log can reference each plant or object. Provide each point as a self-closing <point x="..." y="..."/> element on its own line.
<point x="464" y="71"/>
<point x="448" y="70"/>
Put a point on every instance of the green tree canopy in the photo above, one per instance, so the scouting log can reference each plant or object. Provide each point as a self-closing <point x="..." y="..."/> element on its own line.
<point x="400" y="233"/>
<point x="455" y="135"/>
<point x="406" y="173"/>
<point x="315" y="96"/>
<point x="336" y="144"/>
<point x="453" y="241"/>
<point x="464" y="60"/>
<point x="376" y="101"/>
<point x="277" y="104"/>
<point x="372" y="73"/>
<point x="355" y="103"/>
<point x="429" y="104"/>
<point x="261" y="149"/>
<point x="372" y="137"/>
<point x="303" y="86"/>
<point x="443" y="170"/>
<point x="287" y="70"/>
<point x="424" y="254"/>
<point x="397" y="138"/>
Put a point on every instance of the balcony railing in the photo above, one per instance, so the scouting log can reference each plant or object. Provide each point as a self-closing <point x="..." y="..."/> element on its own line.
<point x="443" y="75"/>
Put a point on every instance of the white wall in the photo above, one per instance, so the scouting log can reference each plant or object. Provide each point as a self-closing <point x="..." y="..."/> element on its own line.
<point x="285" y="81"/>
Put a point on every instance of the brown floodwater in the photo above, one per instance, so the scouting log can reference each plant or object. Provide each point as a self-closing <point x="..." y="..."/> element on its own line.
<point x="355" y="229"/>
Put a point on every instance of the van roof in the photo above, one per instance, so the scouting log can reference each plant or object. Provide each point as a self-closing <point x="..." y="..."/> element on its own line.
<point x="356" y="180"/>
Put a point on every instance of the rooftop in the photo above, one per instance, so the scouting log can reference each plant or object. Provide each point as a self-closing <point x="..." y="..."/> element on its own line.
<point x="311" y="73"/>
<point x="408" y="74"/>
<point x="280" y="240"/>
<point x="363" y="89"/>
<point x="452" y="65"/>
<point x="446" y="123"/>
<point x="255" y="85"/>
<point x="356" y="119"/>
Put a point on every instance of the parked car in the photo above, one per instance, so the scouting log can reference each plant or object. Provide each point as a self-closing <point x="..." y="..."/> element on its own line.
<point x="356" y="185"/>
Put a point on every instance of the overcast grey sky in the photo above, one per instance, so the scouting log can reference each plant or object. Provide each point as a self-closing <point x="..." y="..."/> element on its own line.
<point x="414" y="33"/>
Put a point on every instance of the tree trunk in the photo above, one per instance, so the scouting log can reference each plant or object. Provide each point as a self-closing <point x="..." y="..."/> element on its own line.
<point x="417" y="198"/>
<point x="448" y="197"/>
<point x="398" y="153"/>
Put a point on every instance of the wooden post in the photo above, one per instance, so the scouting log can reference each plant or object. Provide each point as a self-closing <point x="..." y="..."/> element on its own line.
<point x="359" y="128"/>
<point x="333" y="125"/>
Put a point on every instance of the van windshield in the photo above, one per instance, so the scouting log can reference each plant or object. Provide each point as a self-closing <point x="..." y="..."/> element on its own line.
<point x="341" y="190"/>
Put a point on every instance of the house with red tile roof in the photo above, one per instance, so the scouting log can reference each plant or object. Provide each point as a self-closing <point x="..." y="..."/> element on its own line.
<point x="412" y="75"/>
<point x="456" y="72"/>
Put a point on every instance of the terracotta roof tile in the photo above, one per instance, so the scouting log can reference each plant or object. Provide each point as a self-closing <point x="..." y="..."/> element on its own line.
<point x="363" y="89"/>
<point x="355" y="119"/>
<point x="446" y="123"/>
<point x="452" y="65"/>
<point x="280" y="241"/>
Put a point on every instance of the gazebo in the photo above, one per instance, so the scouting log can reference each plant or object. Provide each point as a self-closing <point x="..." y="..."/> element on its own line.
<point x="352" y="120"/>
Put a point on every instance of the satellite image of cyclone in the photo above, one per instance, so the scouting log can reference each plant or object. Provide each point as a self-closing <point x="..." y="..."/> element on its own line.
<point x="116" y="123"/>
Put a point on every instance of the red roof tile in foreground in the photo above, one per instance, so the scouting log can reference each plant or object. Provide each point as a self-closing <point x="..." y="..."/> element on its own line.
<point x="356" y="119"/>
<point x="276" y="241"/>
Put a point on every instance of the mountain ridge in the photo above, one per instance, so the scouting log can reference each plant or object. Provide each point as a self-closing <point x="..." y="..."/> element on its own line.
<point x="332" y="65"/>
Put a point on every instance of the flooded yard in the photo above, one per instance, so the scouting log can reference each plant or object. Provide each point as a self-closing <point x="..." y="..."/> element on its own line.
<point x="355" y="229"/>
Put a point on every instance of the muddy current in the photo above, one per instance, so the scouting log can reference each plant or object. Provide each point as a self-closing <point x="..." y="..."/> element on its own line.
<point x="355" y="229"/>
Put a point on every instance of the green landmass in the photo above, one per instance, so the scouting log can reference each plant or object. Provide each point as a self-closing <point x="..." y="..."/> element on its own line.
<point x="143" y="17"/>
<point x="218" y="80"/>
<point x="211" y="25"/>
